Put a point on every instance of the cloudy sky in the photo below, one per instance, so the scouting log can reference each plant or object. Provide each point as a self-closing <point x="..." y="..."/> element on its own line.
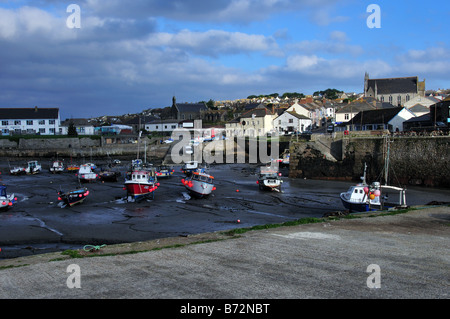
<point x="117" y="57"/>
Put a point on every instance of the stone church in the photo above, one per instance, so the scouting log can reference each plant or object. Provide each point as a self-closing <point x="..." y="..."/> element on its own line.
<point x="396" y="91"/>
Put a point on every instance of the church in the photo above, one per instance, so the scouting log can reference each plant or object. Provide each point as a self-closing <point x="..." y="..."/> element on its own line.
<point x="396" y="91"/>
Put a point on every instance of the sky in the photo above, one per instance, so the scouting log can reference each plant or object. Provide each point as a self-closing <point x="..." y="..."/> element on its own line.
<point x="112" y="57"/>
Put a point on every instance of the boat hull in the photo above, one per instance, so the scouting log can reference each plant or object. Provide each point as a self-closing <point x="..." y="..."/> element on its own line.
<point x="140" y="190"/>
<point x="73" y="197"/>
<point x="359" y="207"/>
<point x="270" y="184"/>
<point x="109" y="176"/>
<point x="199" y="189"/>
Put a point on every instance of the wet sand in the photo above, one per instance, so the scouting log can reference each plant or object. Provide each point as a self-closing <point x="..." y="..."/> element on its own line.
<point x="39" y="224"/>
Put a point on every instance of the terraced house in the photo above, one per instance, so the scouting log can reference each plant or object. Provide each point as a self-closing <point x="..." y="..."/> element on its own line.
<point x="29" y="121"/>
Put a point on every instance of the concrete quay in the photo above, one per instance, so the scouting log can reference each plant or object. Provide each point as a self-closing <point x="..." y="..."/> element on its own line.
<point x="402" y="256"/>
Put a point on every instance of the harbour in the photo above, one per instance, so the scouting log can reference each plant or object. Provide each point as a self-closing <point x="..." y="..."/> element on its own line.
<point x="39" y="224"/>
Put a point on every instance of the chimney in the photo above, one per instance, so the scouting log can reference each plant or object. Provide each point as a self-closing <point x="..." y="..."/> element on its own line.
<point x="35" y="109"/>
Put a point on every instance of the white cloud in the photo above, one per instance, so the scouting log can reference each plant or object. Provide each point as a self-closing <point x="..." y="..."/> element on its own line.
<point x="213" y="42"/>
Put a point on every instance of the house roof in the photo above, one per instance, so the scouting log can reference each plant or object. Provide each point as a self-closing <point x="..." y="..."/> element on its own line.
<point x="418" y="108"/>
<point x="394" y="85"/>
<point x="35" y="113"/>
<point x="299" y="116"/>
<point x="191" y="107"/>
<point x="356" y="106"/>
<point x="379" y="116"/>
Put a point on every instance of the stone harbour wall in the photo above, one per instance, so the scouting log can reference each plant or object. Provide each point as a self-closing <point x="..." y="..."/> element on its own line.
<point x="412" y="160"/>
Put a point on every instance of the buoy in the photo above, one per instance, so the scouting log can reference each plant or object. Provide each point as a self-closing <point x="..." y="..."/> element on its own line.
<point x="237" y="190"/>
<point x="238" y="221"/>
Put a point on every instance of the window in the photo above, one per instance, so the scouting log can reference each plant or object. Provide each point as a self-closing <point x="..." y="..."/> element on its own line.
<point x="408" y="98"/>
<point x="347" y="116"/>
<point x="390" y="99"/>
<point x="5" y="123"/>
<point x="382" y="99"/>
<point x="51" y="122"/>
<point x="29" y="122"/>
<point x="17" y="122"/>
<point x="42" y="122"/>
<point x="399" y="99"/>
<point x="42" y="130"/>
<point x="291" y="120"/>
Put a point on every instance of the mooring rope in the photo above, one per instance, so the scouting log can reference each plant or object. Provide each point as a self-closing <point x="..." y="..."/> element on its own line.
<point x="92" y="247"/>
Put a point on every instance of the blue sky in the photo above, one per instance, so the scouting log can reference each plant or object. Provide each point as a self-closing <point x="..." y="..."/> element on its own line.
<point x="128" y="56"/>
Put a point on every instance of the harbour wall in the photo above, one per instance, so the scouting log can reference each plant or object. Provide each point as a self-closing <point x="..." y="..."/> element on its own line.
<point x="412" y="160"/>
<point x="79" y="147"/>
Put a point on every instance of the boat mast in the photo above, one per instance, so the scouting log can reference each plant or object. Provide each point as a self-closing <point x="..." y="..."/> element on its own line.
<point x="386" y="160"/>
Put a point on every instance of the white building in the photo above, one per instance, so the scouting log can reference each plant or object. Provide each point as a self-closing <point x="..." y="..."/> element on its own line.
<point x="255" y="122"/>
<point x="82" y="126"/>
<point x="291" y="122"/>
<point x="31" y="121"/>
<point x="162" y="126"/>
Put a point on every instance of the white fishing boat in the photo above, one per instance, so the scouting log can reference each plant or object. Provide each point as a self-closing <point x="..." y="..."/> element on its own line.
<point x="17" y="170"/>
<point x="86" y="174"/>
<point x="57" y="167"/>
<point x="199" y="183"/>
<point x="269" y="178"/>
<point x="364" y="197"/>
<point x="33" y="167"/>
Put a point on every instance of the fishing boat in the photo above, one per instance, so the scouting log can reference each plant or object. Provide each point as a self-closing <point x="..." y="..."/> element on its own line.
<point x="73" y="197"/>
<point x="269" y="178"/>
<point x="141" y="184"/>
<point x="163" y="171"/>
<point x="109" y="175"/>
<point x="17" y="170"/>
<point x="86" y="174"/>
<point x="189" y="167"/>
<point x="199" y="183"/>
<point x="363" y="197"/>
<point x="6" y="201"/>
<point x="57" y="167"/>
<point x="73" y="168"/>
<point x="33" y="167"/>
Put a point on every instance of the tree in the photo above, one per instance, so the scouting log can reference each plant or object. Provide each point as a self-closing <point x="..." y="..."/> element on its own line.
<point x="72" y="130"/>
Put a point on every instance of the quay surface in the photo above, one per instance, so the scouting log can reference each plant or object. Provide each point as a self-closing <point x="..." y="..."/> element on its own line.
<point x="328" y="260"/>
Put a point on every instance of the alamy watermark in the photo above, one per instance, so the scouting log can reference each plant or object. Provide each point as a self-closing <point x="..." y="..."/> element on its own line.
<point x="374" y="279"/>
<point x="374" y="19"/>
<point x="74" y="20"/>
<point x="74" y="279"/>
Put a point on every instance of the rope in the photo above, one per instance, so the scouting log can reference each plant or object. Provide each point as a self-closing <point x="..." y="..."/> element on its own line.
<point x="92" y="247"/>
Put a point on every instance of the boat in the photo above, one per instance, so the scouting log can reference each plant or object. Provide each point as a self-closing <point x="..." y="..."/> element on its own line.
<point x="86" y="174"/>
<point x="109" y="175"/>
<point x="141" y="184"/>
<point x="163" y="171"/>
<point x="73" y="197"/>
<point x="269" y="178"/>
<point x="17" y="170"/>
<point x="199" y="183"/>
<point x="33" y="167"/>
<point x="73" y="167"/>
<point x="363" y="197"/>
<point x="189" y="167"/>
<point x="57" y="167"/>
<point x="6" y="201"/>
